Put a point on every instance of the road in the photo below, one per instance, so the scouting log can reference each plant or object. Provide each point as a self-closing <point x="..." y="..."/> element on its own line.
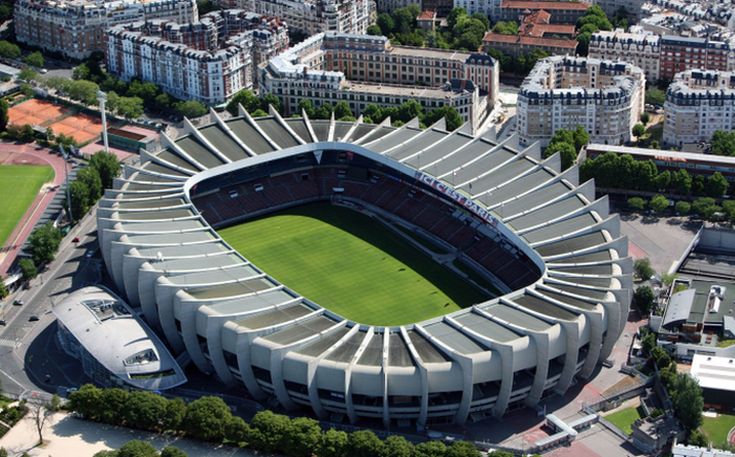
<point x="29" y="359"/>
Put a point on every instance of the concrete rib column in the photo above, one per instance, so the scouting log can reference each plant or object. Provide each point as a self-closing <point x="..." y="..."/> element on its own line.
<point x="212" y="324"/>
<point x="384" y="372"/>
<point x="279" y="387"/>
<point x="348" y="374"/>
<point x="186" y="313"/>
<point x="164" y="291"/>
<point x="506" y="362"/>
<point x="571" y="333"/>
<point x="466" y="363"/>
<point x="423" y="376"/>
<point x="244" y="343"/>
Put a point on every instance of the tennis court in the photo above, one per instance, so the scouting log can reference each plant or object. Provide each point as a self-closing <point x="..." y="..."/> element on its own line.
<point x="40" y="113"/>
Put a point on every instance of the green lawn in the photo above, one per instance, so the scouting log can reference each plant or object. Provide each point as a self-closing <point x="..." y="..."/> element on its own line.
<point x="351" y="264"/>
<point x="624" y="419"/>
<point x="717" y="428"/>
<point x="19" y="185"/>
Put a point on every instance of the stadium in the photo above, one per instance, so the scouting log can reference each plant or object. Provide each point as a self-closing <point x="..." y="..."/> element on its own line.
<point x="472" y="276"/>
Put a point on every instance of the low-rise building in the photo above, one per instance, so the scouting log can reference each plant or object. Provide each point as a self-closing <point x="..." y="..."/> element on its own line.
<point x="698" y="103"/>
<point x="606" y="98"/>
<point x="364" y="69"/>
<point x="641" y="49"/>
<point x="312" y="16"/>
<point x="76" y="28"/>
<point x="536" y="32"/>
<point x="562" y="12"/>
<point x="209" y="60"/>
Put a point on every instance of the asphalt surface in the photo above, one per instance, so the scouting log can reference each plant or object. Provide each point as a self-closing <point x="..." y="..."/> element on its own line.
<point x="29" y="358"/>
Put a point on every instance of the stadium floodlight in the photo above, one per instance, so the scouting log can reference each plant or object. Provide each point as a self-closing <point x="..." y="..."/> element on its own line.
<point x="102" y="98"/>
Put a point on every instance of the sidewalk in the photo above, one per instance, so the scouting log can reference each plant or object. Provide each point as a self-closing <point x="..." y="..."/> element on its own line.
<point x="67" y="436"/>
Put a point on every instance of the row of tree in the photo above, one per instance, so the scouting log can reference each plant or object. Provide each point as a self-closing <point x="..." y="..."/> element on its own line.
<point x="85" y="190"/>
<point x="622" y="171"/>
<point x="10" y="50"/>
<point x="138" y="448"/>
<point x="210" y="419"/>
<point x="258" y="106"/>
<point x="723" y="143"/>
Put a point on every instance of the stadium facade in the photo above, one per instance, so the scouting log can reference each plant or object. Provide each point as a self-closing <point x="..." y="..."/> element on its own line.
<point x="551" y="248"/>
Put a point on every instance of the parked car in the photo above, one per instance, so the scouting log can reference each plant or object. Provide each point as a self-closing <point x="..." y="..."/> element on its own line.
<point x="33" y="318"/>
<point x="2" y="322"/>
<point x="18" y="302"/>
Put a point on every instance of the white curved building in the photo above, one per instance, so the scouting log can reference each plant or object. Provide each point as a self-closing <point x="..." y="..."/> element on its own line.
<point x="553" y="250"/>
<point x="114" y="346"/>
<point x="605" y="97"/>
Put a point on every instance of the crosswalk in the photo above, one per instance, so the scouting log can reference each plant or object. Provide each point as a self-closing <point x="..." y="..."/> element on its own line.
<point x="7" y="342"/>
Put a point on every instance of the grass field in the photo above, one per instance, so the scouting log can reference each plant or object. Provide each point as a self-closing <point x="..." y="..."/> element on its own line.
<point x="624" y="418"/>
<point x="19" y="185"/>
<point x="717" y="428"/>
<point x="351" y="264"/>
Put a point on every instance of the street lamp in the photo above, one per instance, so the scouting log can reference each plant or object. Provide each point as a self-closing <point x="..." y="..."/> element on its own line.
<point x="102" y="97"/>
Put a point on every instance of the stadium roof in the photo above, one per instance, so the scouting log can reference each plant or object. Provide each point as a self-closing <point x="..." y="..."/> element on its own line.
<point x="544" y="211"/>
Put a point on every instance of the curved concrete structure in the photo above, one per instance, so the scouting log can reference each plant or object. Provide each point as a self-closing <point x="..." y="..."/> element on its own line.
<point x="550" y="247"/>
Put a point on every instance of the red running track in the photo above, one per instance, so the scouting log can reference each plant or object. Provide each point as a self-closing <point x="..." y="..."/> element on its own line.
<point x="29" y="154"/>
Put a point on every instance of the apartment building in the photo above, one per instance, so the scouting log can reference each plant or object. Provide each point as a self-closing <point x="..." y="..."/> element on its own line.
<point x="76" y="28"/>
<point x="535" y="32"/>
<point x="684" y="53"/>
<point x="364" y="69"/>
<point x="209" y="60"/>
<point x="604" y="97"/>
<point x="642" y="50"/>
<point x="313" y="16"/>
<point x="698" y="103"/>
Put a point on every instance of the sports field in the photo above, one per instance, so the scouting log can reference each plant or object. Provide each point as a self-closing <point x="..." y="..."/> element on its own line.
<point x="351" y="264"/>
<point x="19" y="185"/>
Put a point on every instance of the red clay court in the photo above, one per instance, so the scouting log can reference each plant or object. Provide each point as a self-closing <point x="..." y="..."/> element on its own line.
<point x="39" y="113"/>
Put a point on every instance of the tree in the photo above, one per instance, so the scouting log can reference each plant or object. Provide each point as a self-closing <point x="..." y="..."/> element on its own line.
<point x="4" y="292"/>
<point x="3" y="114"/>
<point x="397" y="446"/>
<point x="639" y="130"/>
<point x="40" y="414"/>
<point x="636" y="203"/>
<point x="269" y="431"/>
<point x="307" y="106"/>
<point x="28" y="269"/>
<point x="658" y="204"/>
<point x="704" y="207"/>
<point x="145" y="410"/>
<point x="258" y="113"/>
<point x="237" y="431"/>
<point x="451" y="117"/>
<point x="364" y="443"/>
<point x="206" y="418"/>
<point x="91" y="178"/>
<point x="334" y="443"/>
<point x="661" y="358"/>
<point x="697" y="438"/>
<point x="172" y="451"/>
<point x="174" y="414"/>
<point x="681" y="182"/>
<point x="246" y="98"/>
<point x="386" y="23"/>
<point x="84" y="91"/>
<point x="342" y="109"/>
<point x="9" y="50"/>
<point x="302" y="437"/>
<point x="430" y="449"/>
<point x="374" y="30"/>
<point x="683" y="207"/>
<point x="107" y="166"/>
<point x="130" y="107"/>
<point x="114" y="401"/>
<point x="506" y="28"/>
<point x="686" y="397"/>
<point x="723" y="143"/>
<point x="645" y="118"/>
<point x="566" y="151"/>
<point x="655" y="96"/>
<point x="43" y="243"/>
<point x="716" y="185"/>
<point x="462" y="449"/>
<point x="137" y="448"/>
<point x="190" y="109"/>
<point x="34" y="59"/>
<point x="87" y="401"/>
<point x="79" y="195"/>
<point x="643" y="300"/>
<point x="270" y="100"/>
<point x="642" y="268"/>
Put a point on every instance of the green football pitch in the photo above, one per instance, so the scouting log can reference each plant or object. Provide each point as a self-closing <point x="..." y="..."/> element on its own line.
<point x="351" y="264"/>
<point x="19" y="185"/>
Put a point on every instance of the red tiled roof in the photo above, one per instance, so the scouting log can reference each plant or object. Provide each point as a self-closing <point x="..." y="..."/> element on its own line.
<point x="491" y="37"/>
<point x="426" y="15"/>
<point x="531" y="5"/>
